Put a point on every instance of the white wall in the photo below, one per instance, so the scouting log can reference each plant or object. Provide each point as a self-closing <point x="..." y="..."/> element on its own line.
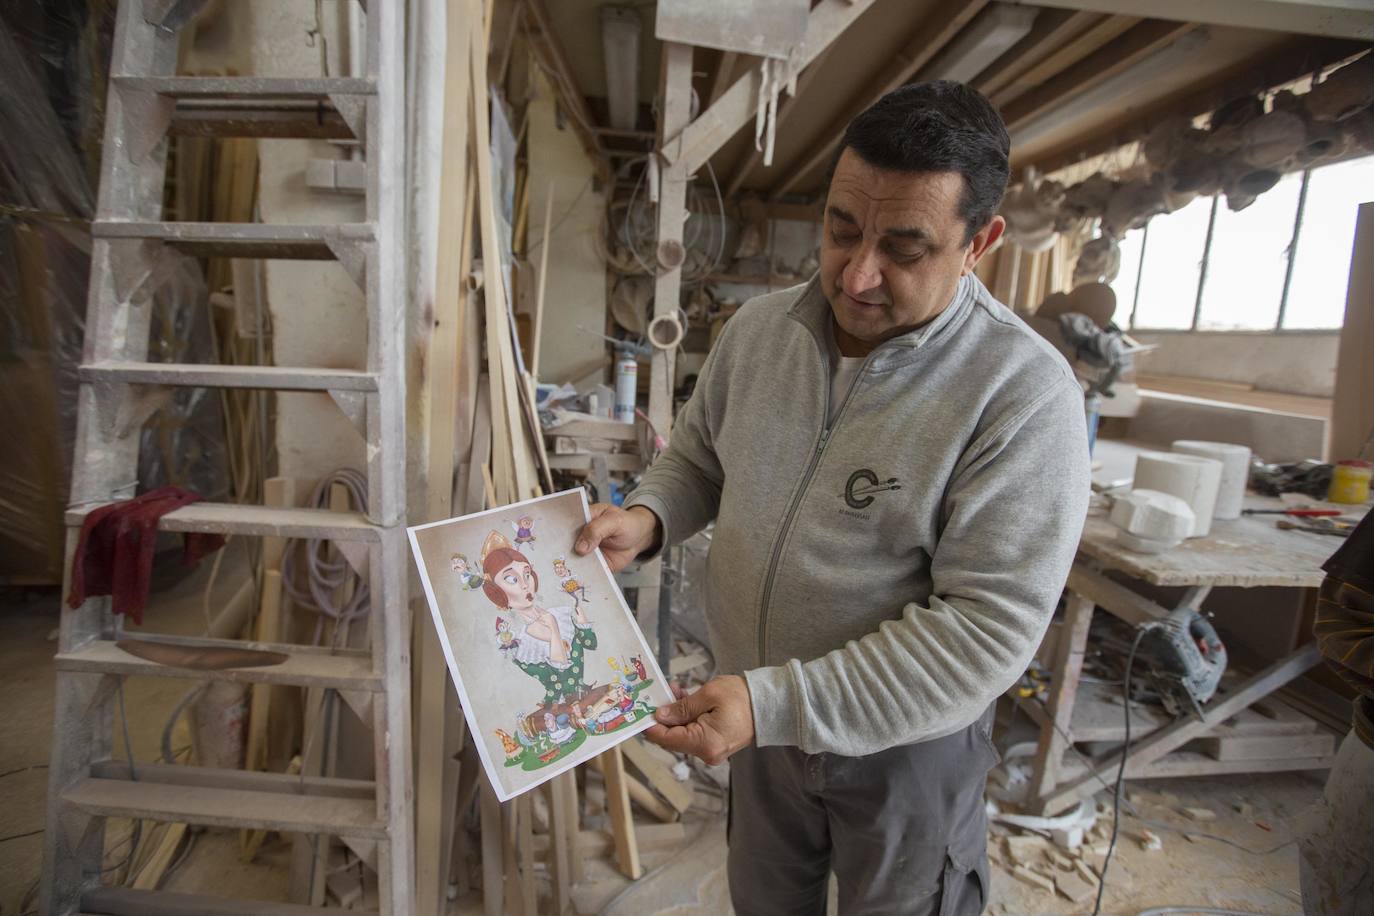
<point x="1293" y="362"/>
<point x="575" y="294"/>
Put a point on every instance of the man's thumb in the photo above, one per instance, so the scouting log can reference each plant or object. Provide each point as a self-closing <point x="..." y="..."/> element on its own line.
<point x="683" y="711"/>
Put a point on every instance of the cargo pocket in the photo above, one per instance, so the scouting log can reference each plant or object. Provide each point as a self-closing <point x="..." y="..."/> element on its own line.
<point x="963" y="886"/>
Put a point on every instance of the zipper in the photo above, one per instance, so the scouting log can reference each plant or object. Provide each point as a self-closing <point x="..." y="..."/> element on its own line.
<point x="827" y="428"/>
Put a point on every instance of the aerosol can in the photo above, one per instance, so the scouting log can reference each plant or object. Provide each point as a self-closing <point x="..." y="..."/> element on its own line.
<point x="626" y="384"/>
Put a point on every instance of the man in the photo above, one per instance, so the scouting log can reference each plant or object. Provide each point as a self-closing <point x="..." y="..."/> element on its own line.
<point x="897" y="469"/>
<point x="1337" y="850"/>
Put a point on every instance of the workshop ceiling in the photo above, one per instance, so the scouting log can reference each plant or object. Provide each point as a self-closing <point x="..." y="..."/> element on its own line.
<point x="1076" y="79"/>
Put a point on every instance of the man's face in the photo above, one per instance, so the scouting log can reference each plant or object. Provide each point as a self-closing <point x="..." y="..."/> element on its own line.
<point x="893" y="250"/>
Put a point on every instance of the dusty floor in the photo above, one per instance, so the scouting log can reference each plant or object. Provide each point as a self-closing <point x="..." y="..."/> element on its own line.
<point x="1260" y="878"/>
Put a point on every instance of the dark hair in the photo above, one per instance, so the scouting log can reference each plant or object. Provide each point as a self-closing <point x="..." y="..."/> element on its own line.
<point x="940" y="126"/>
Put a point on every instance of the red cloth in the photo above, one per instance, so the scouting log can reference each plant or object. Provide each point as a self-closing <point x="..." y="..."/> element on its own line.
<point x="114" y="555"/>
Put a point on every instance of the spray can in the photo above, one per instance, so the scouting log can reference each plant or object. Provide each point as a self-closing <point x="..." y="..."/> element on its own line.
<point x="626" y="386"/>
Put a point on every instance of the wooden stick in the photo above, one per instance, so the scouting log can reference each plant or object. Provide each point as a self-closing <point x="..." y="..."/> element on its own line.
<point x="493" y="894"/>
<point x="618" y="810"/>
<point x="543" y="280"/>
<point x="638" y="793"/>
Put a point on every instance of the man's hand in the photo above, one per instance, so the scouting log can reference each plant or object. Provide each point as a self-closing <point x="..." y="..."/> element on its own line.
<point x="711" y="724"/>
<point x="621" y="534"/>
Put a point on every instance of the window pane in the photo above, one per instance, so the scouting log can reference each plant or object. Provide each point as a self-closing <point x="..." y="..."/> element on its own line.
<point x="1124" y="284"/>
<point x="1248" y="261"/>
<point x="1316" y="296"/>
<point x="1173" y="263"/>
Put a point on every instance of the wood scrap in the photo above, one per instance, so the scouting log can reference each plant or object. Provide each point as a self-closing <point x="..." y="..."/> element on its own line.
<point x="660" y="777"/>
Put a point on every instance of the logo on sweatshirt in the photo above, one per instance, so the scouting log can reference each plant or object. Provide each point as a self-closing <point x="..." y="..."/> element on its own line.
<point x="862" y="484"/>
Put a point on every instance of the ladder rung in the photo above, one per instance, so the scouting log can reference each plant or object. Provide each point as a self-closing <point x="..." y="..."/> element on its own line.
<point x="267" y="521"/>
<point x="305" y="666"/>
<point x="125" y="901"/>
<point x="226" y="807"/>
<point x="279" y="378"/>
<point x="246" y="87"/>
<point x="241" y="240"/>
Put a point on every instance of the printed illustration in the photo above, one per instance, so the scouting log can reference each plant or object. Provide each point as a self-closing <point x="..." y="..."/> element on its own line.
<point x="549" y="663"/>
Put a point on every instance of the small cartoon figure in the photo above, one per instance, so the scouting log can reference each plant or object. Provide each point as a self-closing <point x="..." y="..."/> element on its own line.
<point x="512" y="747"/>
<point x="505" y="639"/>
<point x="524" y="531"/>
<point x="471" y="579"/>
<point x="639" y="668"/>
<point x="623" y="673"/>
<point x="558" y="730"/>
<point x="567" y="580"/>
<point x="578" y="719"/>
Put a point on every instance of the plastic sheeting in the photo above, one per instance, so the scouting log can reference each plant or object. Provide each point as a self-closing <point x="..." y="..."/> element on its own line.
<point x="51" y="99"/>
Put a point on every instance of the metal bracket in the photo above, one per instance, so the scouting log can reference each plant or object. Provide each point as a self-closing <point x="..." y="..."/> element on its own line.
<point x="354" y="406"/>
<point x="147" y="115"/>
<point x="353" y="256"/>
<point x="139" y="268"/>
<point x="171" y="14"/>
<point x="353" y="109"/>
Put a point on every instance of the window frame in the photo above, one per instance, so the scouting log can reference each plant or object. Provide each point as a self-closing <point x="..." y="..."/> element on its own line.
<point x="1291" y="254"/>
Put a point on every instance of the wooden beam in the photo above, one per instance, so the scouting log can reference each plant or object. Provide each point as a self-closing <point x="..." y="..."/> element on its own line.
<point x="1334" y="18"/>
<point x="725" y="72"/>
<point x="1112" y="58"/>
<point x="785" y="110"/>
<point x="1052" y="28"/>
<point x="929" y="38"/>
<point x="1353" y="407"/>
<point x="1247" y="77"/>
<point x="700" y="140"/>
<point x="1096" y="35"/>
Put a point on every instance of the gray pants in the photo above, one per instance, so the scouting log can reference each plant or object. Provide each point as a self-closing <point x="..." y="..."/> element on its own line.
<point x="904" y="830"/>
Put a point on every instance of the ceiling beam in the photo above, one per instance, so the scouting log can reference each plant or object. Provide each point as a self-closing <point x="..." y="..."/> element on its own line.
<point x="1115" y="56"/>
<point x="725" y="71"/>
<point x="1251" y="76"/>
<point x="1331" y="18"/>
<point x="1060" y="59"/>
<point x="785" y="110"/>
<point x="1051" y="29"/>
<point x="929" y="39"/>
<point x="701" y="139"/>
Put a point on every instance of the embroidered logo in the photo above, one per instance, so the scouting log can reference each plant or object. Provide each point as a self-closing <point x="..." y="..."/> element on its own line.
<point x="862" y="484"/>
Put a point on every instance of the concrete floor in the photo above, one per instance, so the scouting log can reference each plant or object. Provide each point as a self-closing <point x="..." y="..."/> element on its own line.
<point x="683" y="882"/>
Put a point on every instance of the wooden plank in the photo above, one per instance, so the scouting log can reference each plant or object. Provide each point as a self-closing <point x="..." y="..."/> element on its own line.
<point x="231" y="518"/>
<point x="493" y="867"/>
<point x="1098" y="716"/>
<point x="1316" y="744"/>
<point x="123" y="901"/>
<point x="1112" y="58"/>
<point x="612" y="767"/>
<point x="933" y="33"/>
<point x="1341" y="18"/>
<point x="226" y="807"/>
<point x="786" y="107"/>
<point x="1099" y="31"/>
<point x="276" y="378"/>
<point x="558" y="838"/>
<point x="1352" y="426"/>
<point x="595" y="843"/>
<point x="300" y="669"/>
<point x="683" y="663"/>
<point x="1181" y="732"/>
<point x="614" y="462"/>
<point x="150" y="875"/>
<point x="638" y="793"/>
<point x="244" y="780"/>
<point x="1051" y="29"/>
<point x="1068" y="666"/>
<point x="700" y="140"/>
<point x="1190" y="763"/>
<point x="538" y="332"/>
<point x="657" y="775"/>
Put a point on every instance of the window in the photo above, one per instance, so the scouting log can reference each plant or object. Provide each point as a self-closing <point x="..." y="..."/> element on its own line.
<point x="1282" y="263"/>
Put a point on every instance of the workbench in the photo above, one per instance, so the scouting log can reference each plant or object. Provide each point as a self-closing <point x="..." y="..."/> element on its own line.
<point x="1242" y="724"/>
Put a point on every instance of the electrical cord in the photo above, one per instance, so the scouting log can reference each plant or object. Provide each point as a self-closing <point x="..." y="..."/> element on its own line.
<point x="1121" y="768"/>
<point x="325" y="577"/>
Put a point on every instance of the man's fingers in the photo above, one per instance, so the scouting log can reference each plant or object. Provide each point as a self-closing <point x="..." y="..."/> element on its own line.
<point x="681" y="739"/>
<point x="684" y="710"/>
<point x="602" y="526"/>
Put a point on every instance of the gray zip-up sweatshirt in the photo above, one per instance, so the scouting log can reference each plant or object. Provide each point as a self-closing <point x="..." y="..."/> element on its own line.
<point x="880" y="581"/>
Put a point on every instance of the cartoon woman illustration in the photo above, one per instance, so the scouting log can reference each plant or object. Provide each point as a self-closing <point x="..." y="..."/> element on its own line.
<point x="471" y="580"/>
<point x="550" y="642"/>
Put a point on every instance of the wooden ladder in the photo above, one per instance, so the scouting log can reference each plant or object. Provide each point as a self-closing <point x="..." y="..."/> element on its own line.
<point x="132" y="253"/>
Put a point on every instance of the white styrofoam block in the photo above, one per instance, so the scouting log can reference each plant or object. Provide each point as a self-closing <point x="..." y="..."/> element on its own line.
<point x="1194" y="480"/>
<point x="1152" y="515"/>
<point x="1235" y="472"/>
